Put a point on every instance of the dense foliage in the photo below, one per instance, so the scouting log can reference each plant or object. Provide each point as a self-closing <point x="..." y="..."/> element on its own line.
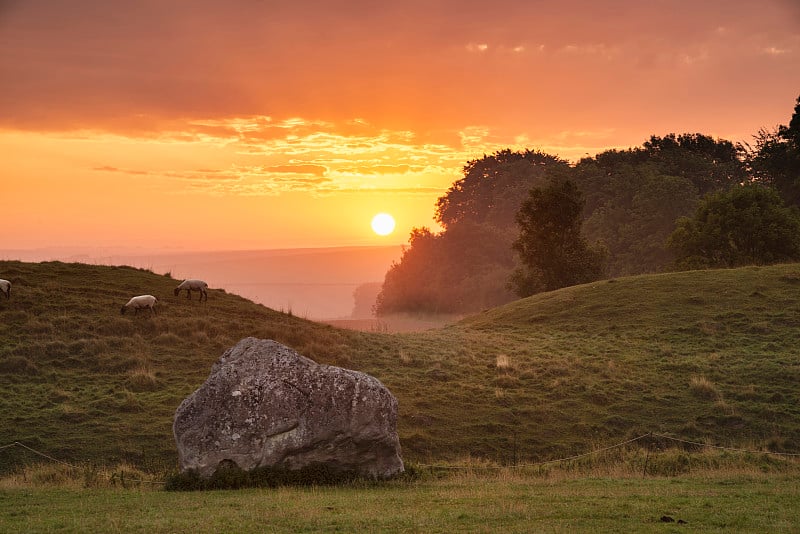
<point x="467" y="265"/>
<point x="746" y="225"/>
<point x="775" y="161"/>
<point x="633" y="199"/>
<point x="553" y="251"/>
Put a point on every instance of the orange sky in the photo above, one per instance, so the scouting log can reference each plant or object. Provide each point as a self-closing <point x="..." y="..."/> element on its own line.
<point x="257" y="124"/>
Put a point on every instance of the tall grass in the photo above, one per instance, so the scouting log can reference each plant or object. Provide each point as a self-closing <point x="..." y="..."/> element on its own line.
<point x="84" y="476"/>
<point x="633" y="461"/>
<point x="704" y="388"/>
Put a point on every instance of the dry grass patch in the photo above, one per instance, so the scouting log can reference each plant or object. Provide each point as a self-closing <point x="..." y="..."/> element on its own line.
<point x="405" y="357"/>
<point x="52" y="475"/>
<point x="704" y="388"/>
<point x="503" y="362"/>
<point x="142" y="378"/>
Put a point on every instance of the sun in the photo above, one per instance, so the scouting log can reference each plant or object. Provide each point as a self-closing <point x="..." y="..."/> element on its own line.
<point x="383" y="224"/>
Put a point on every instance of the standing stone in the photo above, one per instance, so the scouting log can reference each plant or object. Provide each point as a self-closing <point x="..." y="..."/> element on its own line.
<point x="264" y="405"/>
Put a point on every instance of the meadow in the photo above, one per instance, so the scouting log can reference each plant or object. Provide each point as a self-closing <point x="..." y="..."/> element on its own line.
<point x="709" y="357"/>
<point x="623" y="489"/>
<point x="500" y="501"/>
<point x="705" y="355"/>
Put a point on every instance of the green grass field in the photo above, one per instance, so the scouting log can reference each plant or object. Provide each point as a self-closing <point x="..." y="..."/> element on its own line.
<point x="463" y="503"/>
<point x="706" y="356"/>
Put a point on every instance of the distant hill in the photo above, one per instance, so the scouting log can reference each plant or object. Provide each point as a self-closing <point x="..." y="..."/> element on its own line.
<point x="708" y="355"/>
<point x="316" y="283"/>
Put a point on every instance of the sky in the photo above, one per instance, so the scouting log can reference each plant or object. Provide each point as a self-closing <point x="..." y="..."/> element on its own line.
<point x="257" y="124"/>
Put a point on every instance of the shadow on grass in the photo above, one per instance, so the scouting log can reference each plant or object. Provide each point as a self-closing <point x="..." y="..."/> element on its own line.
<point x="225" y="478"/>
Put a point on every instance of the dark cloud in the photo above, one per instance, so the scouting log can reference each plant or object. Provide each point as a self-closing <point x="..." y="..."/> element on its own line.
<point x="127" y="66"/>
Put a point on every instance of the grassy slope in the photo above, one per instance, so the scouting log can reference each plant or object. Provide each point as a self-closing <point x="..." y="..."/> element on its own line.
<point x="700" y="355"/>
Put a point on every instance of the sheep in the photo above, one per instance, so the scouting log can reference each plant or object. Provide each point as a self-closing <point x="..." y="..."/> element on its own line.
<point x="142" y="301"/>
<point x="190" y="285"/>
<point x="5" y="287"/>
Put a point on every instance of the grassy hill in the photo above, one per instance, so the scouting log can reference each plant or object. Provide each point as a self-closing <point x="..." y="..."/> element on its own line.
<point x="701" y="355"/>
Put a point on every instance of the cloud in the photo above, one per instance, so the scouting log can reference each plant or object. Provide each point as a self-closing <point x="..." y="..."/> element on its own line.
<point x="385" y="169"/>
<point x="594" y="50"/>
<point x="271" y="97"/>
<point x="308" y="156"/>
<point x="109" y="168"/>
<point x="134" y="66"/>
<point x="315" y="170"/>
<point x="477" y="47"/>
<point x="775" y="51"/>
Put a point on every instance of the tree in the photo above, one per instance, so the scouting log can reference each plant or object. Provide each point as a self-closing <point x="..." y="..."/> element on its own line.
<point x="462" y="269"/>
<point x="412" y="283"/>
<point x="746" y="225"/>
<point x="710" y="164"/>
<point x="635" y="214"/>
<point x="791" y="133"/>
<point x="465" y="268"/>
<point x="776" y="159"/>
<point x="633" y="197"/>
<point x="551" y="248"/>
<point x="493" y="188"/>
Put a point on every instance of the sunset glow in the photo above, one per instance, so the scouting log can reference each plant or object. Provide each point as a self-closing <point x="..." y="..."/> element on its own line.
<point x="383" y="224"/>
<point x="189" y="126"/>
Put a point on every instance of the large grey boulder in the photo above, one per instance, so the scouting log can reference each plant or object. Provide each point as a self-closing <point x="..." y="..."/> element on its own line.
<point x="264" y="405"/>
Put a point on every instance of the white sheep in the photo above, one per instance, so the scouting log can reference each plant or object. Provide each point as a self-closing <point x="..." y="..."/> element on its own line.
<point x="142" y="301"/>
<point x="5" y="287"/>
<point x="192" y="284"/>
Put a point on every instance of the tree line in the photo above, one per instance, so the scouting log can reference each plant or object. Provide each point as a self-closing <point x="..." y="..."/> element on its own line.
<point x="522" y="222"/>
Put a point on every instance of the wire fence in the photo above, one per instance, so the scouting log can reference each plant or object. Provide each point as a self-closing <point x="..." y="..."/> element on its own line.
<point x="618" y="445"/>
<point x="649" y="435"/>
<point x="73" y="466"/>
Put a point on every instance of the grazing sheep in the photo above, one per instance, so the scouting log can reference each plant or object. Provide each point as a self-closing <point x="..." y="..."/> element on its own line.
<point x="142" y="301"/>
<point x="190" y="285"/>
<point x="5" y="287"/>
